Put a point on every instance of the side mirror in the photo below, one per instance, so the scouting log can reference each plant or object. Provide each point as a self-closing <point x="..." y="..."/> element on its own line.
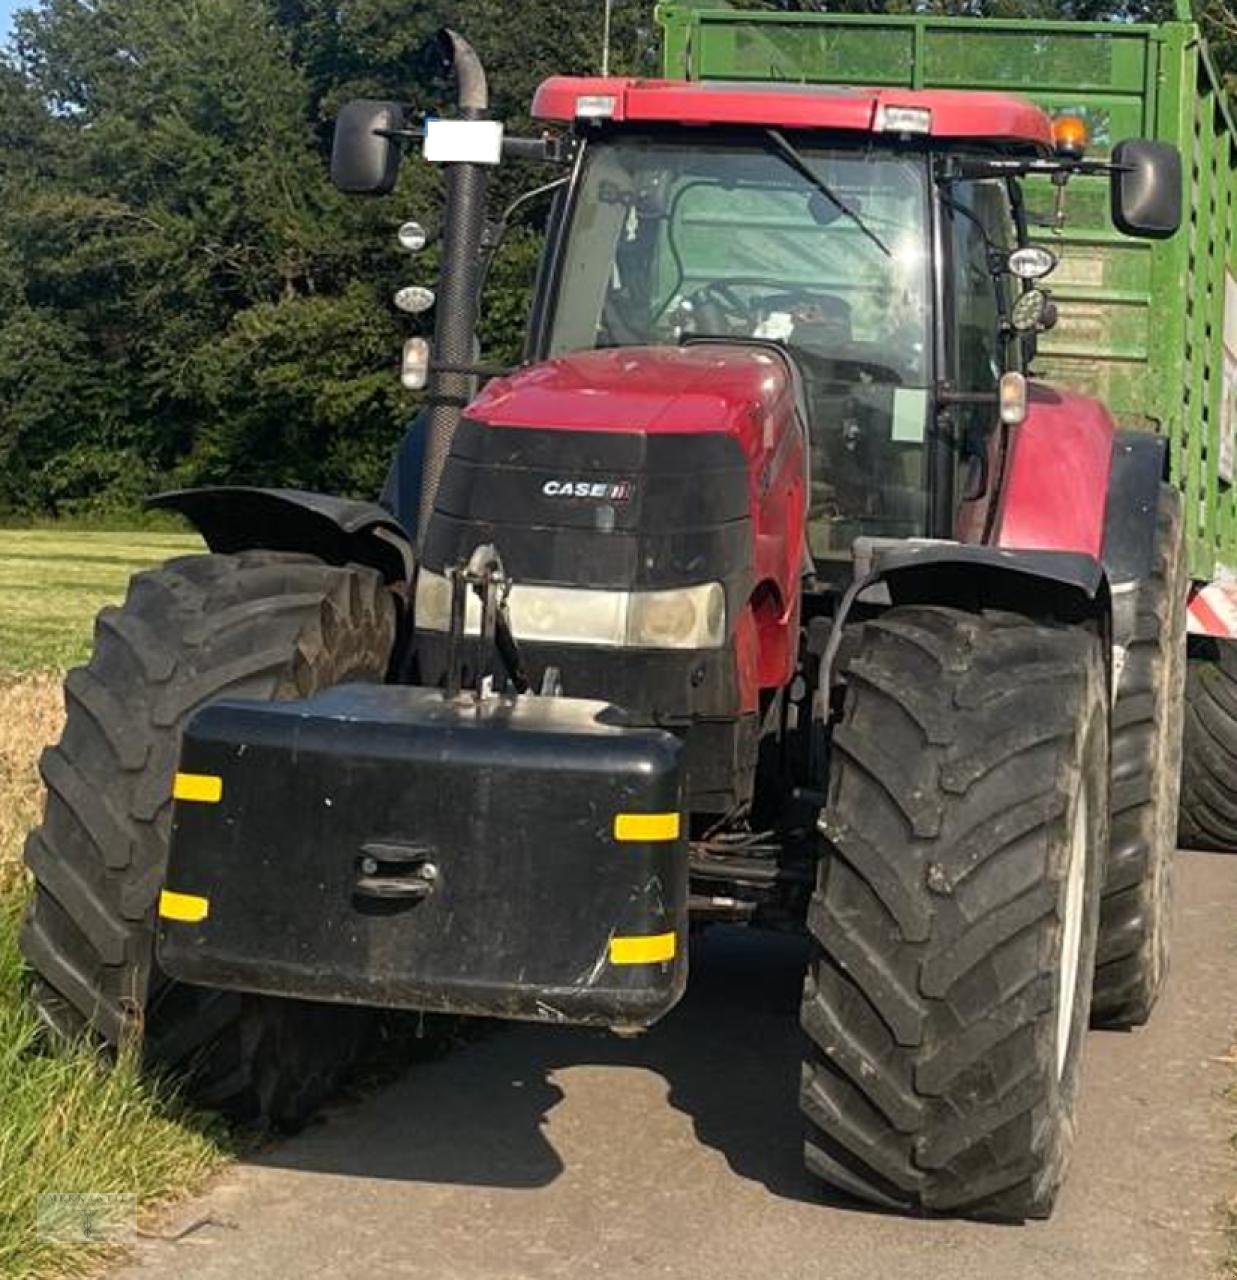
<point x="1147" y="189"/>
<point x="364" y="159"/>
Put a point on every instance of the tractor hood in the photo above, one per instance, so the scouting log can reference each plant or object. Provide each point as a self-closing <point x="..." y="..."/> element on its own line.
<point x="737" y="391"/>
<point x="632" y="469"/>
<point x="635" y="470"/>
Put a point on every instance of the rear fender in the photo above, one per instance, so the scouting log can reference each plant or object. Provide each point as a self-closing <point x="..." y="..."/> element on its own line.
<point x="1075" y="483"/>
<point x="337" y="530"/>
<point x="1054" y="491"/>
<point x="1139" y="469"/>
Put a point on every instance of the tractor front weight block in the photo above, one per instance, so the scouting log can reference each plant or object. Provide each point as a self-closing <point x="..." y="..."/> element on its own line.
<point x="515" y="857"/>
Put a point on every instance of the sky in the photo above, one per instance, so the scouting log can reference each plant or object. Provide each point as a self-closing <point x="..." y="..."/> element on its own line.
<point x="6" y="15"/>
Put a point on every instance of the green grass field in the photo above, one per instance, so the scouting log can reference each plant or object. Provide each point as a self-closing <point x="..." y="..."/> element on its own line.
<point x="70" y="1123"/>
<point x="52" y="584"/>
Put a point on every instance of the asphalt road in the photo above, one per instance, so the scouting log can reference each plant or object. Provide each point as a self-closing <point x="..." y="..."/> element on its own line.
<point x="536" y="1153"/>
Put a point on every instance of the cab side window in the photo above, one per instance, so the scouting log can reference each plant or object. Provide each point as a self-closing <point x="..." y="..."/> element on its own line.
<point x="978" y="344"/>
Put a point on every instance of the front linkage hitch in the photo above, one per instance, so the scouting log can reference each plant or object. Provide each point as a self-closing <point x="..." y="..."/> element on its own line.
<point x="483" y="574"/>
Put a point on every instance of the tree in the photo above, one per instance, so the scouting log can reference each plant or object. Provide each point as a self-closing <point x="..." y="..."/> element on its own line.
<point x="1219" y="19"/>
<point x="187" y="201"/>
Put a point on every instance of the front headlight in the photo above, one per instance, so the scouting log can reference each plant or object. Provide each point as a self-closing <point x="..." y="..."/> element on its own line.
<point x="692" y="618"/>
<point x="683" y="618"/>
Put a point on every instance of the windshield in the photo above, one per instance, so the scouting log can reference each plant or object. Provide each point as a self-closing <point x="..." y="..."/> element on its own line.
<point x="821" y="249"/>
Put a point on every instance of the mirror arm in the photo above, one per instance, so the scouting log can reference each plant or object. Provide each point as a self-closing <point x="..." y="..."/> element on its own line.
<point x="947" y="395"/>
<point x="970" y="170"/>
<point x="472" y="370"/>
<point x="550" y="148"/>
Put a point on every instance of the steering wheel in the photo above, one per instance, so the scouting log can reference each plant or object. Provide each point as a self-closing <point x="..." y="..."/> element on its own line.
<point x="850" y="363"/>
<point x="719" y="310"/>
<point x="720" y="302"/>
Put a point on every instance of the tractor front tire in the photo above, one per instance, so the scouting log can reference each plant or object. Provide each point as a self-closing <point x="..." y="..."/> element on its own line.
<point x="1209" y="768"/>
<point x="258" y="625"/>
<point x="956" y="913"/>
<point x="1136" y="908"/>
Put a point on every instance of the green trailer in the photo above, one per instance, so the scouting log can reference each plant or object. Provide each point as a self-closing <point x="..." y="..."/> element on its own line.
<point x="1149" y="328"/>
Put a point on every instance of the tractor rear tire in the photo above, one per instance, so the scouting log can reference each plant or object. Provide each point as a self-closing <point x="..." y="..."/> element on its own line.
<point x="259" y="626"/>
<point x="1209" y="769"/>
<point x="956" y="913"/>
<point x="1136" y="909"/>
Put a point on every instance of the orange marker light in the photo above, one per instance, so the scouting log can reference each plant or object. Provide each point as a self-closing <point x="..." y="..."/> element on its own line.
<point x="1070" y="134"/>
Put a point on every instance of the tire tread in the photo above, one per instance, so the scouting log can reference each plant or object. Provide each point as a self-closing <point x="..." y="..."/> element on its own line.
<point x="928" y="1008"/>
<point x="258" y="625"/>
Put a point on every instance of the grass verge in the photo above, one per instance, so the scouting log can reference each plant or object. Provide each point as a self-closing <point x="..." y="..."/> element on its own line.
<point x="73" y="1123"/>
<point x="31" y="716"/>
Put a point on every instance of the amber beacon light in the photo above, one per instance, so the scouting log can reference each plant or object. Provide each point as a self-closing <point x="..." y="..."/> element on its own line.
<point x="1070" y="135"/>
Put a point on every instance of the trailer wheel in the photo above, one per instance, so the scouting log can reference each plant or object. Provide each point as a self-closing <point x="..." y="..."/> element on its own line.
<point x="257" y="625"/>
<point x="1208" y="815"/>
<point x="1133" y="952"/>
<point x="955" y="914"/>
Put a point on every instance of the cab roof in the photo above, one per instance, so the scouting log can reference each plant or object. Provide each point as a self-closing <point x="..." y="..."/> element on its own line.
<point x="1000" y="118"/>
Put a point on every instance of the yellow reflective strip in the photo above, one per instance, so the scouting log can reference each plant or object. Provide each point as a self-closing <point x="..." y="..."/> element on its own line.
<point x="186" y="907"/>
<point x="653" y="950"/>
<point x="199" y="788"/>
<point x="647" y="828"/>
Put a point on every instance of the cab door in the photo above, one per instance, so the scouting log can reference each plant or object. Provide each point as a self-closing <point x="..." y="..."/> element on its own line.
<point x="980" y="227"/>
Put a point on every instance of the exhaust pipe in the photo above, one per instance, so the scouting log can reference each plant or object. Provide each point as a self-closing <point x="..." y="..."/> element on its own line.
<point x="455" y="327"/>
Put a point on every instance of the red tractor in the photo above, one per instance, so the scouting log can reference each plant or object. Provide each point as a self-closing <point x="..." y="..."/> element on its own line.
<point x="768" y="590"/>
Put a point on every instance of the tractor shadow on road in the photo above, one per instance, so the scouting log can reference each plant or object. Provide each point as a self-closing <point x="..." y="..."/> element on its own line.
<point x="729" y="1055"/>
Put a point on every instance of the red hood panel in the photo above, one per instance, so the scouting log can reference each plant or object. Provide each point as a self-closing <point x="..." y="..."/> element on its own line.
<point x="657" y="390"/>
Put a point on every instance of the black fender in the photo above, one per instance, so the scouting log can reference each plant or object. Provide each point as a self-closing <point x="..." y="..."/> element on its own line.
<point x="1064" y="585"/>
<point x="337" y="530"/>
<point x="1139" y="467"/>
<point x="1061" y="586"/>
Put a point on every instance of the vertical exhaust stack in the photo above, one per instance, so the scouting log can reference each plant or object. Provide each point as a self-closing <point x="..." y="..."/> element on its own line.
<point x="456" y="324"/>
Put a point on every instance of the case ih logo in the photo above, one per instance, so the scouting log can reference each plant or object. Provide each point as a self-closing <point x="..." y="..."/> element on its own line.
<point x="596" y="491"/>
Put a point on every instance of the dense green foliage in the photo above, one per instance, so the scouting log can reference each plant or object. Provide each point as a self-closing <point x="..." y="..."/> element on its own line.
<point x="183" y="297"/>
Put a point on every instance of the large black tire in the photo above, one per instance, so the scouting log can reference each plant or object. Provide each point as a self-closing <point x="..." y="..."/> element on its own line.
<point x="256" y="625"/>
<point x="966" y="823"/>
<point x="1209" y="765"/>
<point x="1135" y="915"/>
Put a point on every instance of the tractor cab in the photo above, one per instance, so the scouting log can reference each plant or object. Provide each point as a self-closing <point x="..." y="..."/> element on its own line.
<point x="674" y="238"/>
<point x="775" y="326"/>
<point x="878" y="239"/>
